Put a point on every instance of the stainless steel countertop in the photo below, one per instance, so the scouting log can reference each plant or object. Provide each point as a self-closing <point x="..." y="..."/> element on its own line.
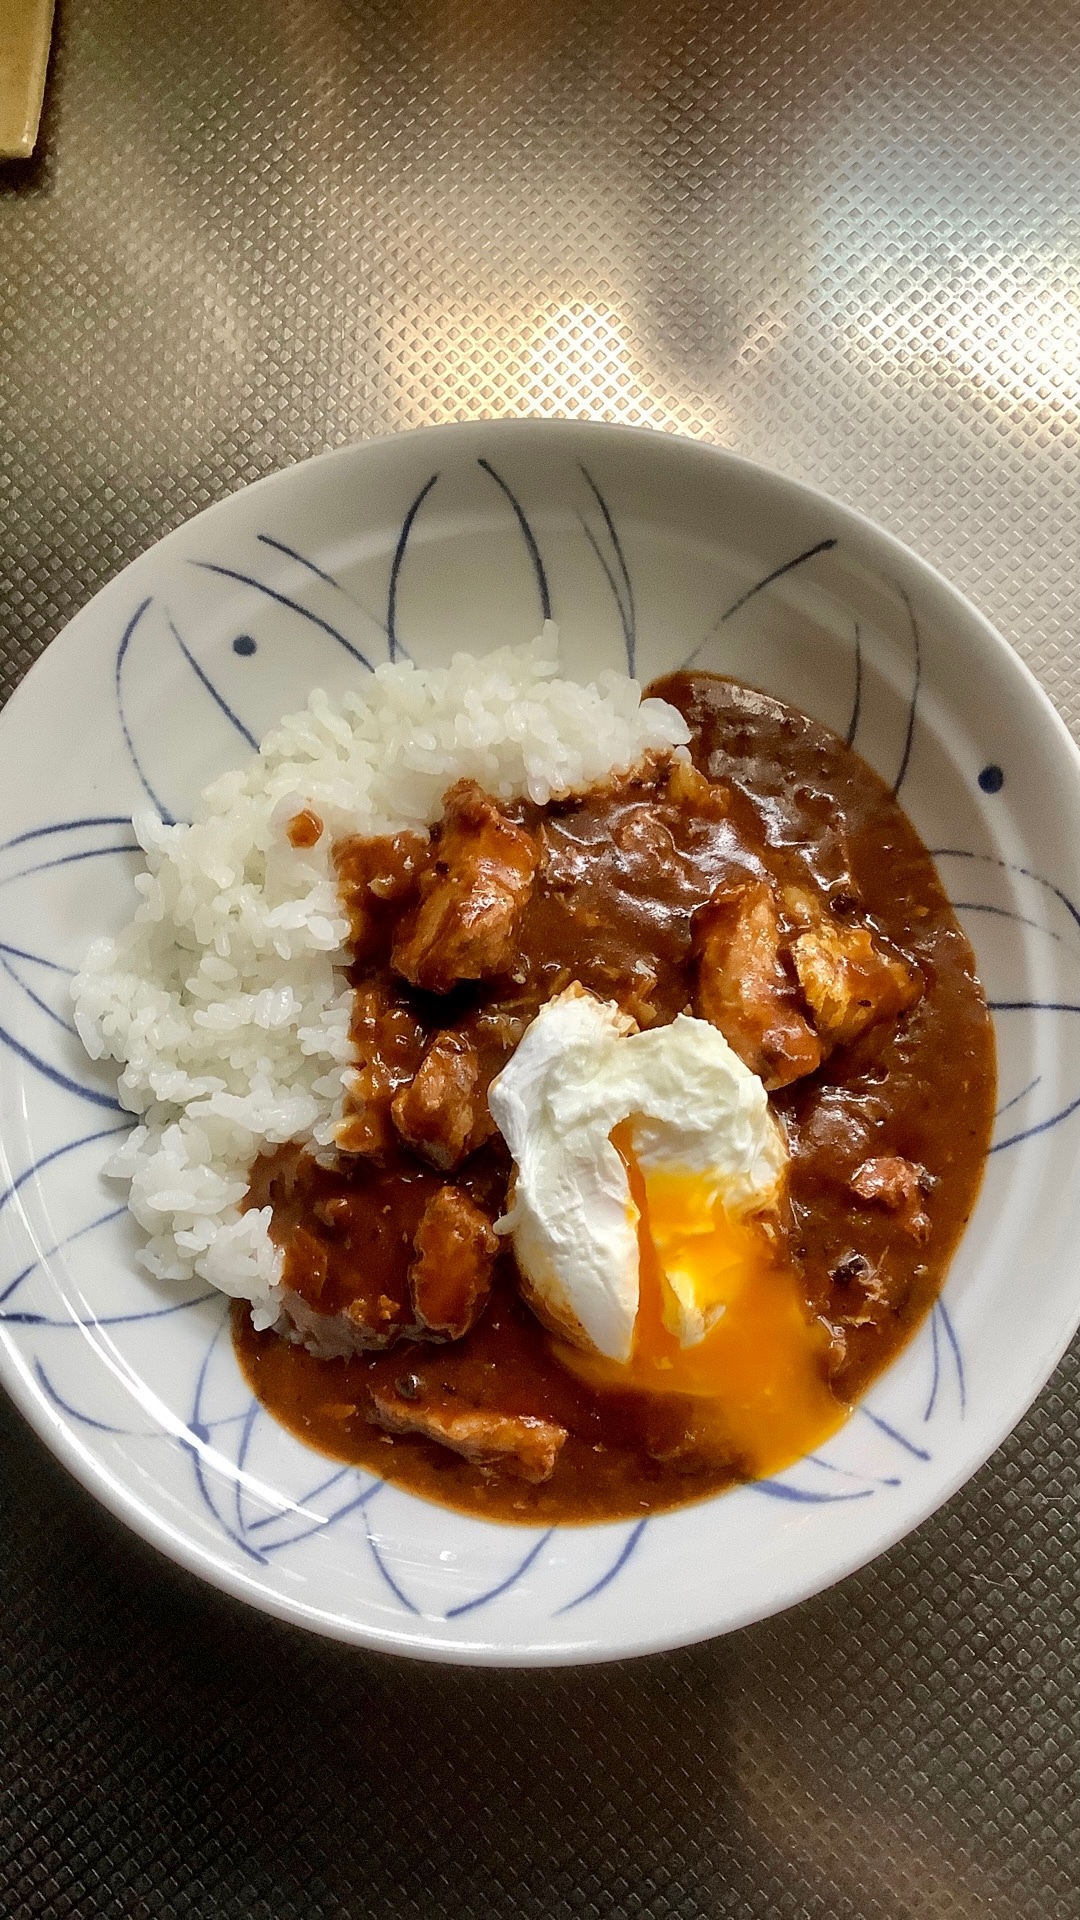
<point x="843" y="237"/>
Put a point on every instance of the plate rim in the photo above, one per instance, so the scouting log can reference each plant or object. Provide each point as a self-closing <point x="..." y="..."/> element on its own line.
<point x="182" y="1548"/>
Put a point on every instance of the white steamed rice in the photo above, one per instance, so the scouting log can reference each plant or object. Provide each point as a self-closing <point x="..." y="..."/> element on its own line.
<point x="225" y="1000"/>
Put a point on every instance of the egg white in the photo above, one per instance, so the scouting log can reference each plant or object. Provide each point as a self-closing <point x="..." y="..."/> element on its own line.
<point x="695" y="1112"/>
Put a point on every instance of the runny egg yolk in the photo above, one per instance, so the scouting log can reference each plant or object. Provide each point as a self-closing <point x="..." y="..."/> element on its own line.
<point x="760" y="1362"/>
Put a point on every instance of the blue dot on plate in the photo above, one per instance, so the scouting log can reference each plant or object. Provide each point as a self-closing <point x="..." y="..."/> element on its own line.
<point x="991" y="779"/>
<point x="245" y="645"/>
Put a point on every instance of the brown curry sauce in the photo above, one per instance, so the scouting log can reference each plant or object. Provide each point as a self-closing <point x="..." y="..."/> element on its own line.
<point x="623" y="872"/>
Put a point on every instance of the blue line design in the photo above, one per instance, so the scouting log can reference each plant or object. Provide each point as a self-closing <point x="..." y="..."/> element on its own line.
<point x="57" y="1153"/>
<point x="100" y="1426"/>
<point x="25" y="1319"/>
<point x="36" y="1319"/>
<point x="1021" y="1006"/>
<point x="359" y="1505"/>
<point x="270" y="1519"/>
<point x="777" y="1490"/>
<point x="320" y="573"/>
<point x="875" y="1479"/>
<point x="1005" y="913"/>
<point x="197" y="1426"/>
<point x="279" y="546"/>
<point x="624" y="620"/>
<point x="950" y="1335"/>
<point x="228" y="1420"/>
<point x="211" y="689"/>
<point x="628" y="1547"/>
<point x="628" y="613"/>
<point x="59" y="1079"/>
<point x="385" y="1571"/>
<point x="67" y="826"/>
<point x="609" y="575"/>
<point x="916" y="682"/>
<point x="470" y="1606"/>
<point x="1017" y="1097"/>
<point x="856" y="707"/>
<point x="38" y="959"/>
<point x="125" y="642"/>
<point x="320" y="1523"/>
<point x="71" y="860"/>
<point x="250" y="1418"/>
<point x="67" y="1026"/>
<point x="1008" y="866"/>
<point x="396" y="565"/>
<point x="210" y="1503"/>
<point x="98" y="1320"/>
<point x="283" y="600"/>
<point x="1033" y="1006"/>
<point x="200" y="1434"/>
<point x="931" y="1403"/>
<point x="909" y="1446"/>
<point x="823" y="546"/>
<point x="95" y="1320"/>
<point x="527" y="535"/>
<point x="1063" y="1113"/>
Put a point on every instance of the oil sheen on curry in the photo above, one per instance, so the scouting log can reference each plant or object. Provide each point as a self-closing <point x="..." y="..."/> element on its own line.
<point x="671" y="1102"/>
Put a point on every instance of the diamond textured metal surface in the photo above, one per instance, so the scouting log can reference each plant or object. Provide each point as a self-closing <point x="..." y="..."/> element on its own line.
<point x="842" y="237"/>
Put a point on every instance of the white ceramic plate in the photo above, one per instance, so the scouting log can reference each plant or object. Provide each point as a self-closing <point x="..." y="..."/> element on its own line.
<point x="651" y="551"/>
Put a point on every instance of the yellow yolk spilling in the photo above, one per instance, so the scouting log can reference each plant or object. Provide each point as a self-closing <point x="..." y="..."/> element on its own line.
<point x="648" y="1177"/>
<point x="760" y="1361"/>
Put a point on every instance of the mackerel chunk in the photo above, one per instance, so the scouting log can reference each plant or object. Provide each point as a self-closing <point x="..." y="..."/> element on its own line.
<point x="454" y="1248"/>
<point x="850" y="980"/>
<point x="472" y="896"/>
<point x="443" y="1113"/>
<point x="454" y="1257"/>
<point x="523" y="1446"/>
<point x="745" y="989"/>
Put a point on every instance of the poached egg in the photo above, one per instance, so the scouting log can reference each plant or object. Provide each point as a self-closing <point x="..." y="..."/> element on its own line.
<point x="645" y="1218"/>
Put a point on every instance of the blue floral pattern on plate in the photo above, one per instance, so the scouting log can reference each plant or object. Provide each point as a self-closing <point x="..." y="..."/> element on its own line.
<point x="202" y="644"/>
